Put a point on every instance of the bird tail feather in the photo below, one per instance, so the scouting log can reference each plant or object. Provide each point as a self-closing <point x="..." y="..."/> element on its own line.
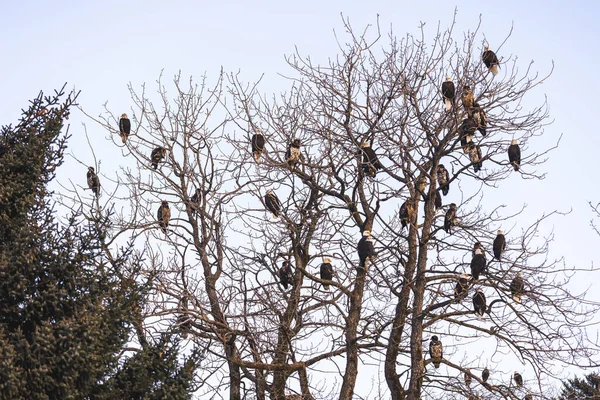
<point x="494" y="69"/>
<point x="448" y="104"/>
<point x="256" y="156"/>
<point x="517" y="298"/>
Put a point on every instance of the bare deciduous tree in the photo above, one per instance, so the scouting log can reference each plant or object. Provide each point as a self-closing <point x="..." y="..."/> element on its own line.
<point x="217" y="271"/>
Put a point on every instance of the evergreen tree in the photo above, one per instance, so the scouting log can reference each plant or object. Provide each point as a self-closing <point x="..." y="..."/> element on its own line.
<point x="581" y="389"/>
<point x="67" y="308"/>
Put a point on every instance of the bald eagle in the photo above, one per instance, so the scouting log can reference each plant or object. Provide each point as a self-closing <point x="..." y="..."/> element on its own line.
<point x="258" y="144"/>
<point x="438" y="200"/>
<point x="485" y="374"/>
<point x="448" y="93"/>
<point x="157" y="156"/>
<point x="124" y="127"/>
<point x="466" y="132"/>
<point x="292" y="155"/>
<point x="286" y="277"/>
<point x="370" y="162"/>
<point x="468" y="378"/>
<point x="163" y="215"/>
<point x="450" y="218"/>
<point x="478" y="115"/>
<point x="467" y="97"/>
<point x="272" y="202"/>
<point x="475" y="157"/>
<point x="407" y="210"/>
<point x="478" y="262"/>
<point x="514" y="155"/>
<point x="518" y="379"/>
<point x="435" y="351"/>
<point x="366" y="250"/>
<point x="326" y="272"/>
<point x="195" y="201"/>
<point x="517" y="287"/>
<point x="93" y="181"/>
<point x="462" y="287"/>
<point x="499" y="245"/>
<point x="490" y="60"/>
<point x="443" y="177"/>
<point x="479" y="304"/>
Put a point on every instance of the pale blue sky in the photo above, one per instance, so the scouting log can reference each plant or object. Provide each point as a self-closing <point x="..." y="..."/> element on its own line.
<point x="99" y="47"/>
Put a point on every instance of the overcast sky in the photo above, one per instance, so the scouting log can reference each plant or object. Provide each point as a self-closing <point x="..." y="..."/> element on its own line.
<point x="100" y="47"/>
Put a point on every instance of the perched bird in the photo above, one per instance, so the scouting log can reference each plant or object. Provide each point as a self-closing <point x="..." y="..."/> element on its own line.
<point x="478" y="263"/>
<point x="490" y="60"/>
<point x="326" y="272"/>
<point x="370" y="162"/>
<point x="286" y="277"/>
<point x="443" y="177"/>
<point x="468" y="378"/>
<point x="528" y="396"/>
<point x="438" y="200"/>
<point x="124" y="127"/>
<point x="467" y="97"/>
<point x="450" y="218"/>
<point x="93" y="181"/>
<point x="467" y="130"/>
<point x="157" y="156"/>
<point x="475" y="156"/>
<point x="499" y="245"/>
<point x="366" y="250"/>
<point x="292" y="155"/>
<point x="195" y="201"/>
<point x="462" y="287"/>
<point x="514" y="155"/>
<point x="407" y="210"/>
<point x="448" y="93"/>
<point x="184" y="319"/>
<point x="272" y="202"/>
<point x="517" y="287"/>
<point x="421" y="184"/>
<point x="163" y="216"/>
<point x="485" y="374"/>
<point x="435" y="351"/>
<point x="518" y="379"/>
<point x="478" y="115"/>
<point x="479" y="304"/>
<point x="258" y="144"/>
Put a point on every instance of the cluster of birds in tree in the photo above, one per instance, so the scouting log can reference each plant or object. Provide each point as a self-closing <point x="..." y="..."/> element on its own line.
<point x="158" y="154"/>
<point x="476" y="120"/>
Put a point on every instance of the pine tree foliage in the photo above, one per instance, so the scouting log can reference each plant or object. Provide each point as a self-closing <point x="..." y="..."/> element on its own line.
<point x="67" y="310"/>
<point x="581" y="389"/>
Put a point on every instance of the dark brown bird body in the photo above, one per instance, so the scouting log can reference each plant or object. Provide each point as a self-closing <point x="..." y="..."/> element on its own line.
<point x="517" y="287"/>
<point x="366" y="250"/>
<point x="450" y="218"/>
<point x="124" y="127"/>
<point x="499" y="245"/>
<point x="258" y="145"/>
<point x="326" y="272"/>
<point x="514" y="155"/>
<point x="163" y="215"/>
<point x="157" y="156"/>
<point x="490" y="60"/>
<point x="479" y="303"/>
<point x="292" y="155"/>
<point x="478" y="263"/>
<point x="448" y="93"/>
<point x="443" y="177"/>
<point x="475" y="156"/>
<point x="467" y="97"/>
<point x="462" y="288"/>
<point x="406" y="213"/>
<point x="93" y="181"/>
<point x="286" y="277"/>
<point x="436" y="351"/>
<point x="370" y="162"/>
<point x="272" y="202"/>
